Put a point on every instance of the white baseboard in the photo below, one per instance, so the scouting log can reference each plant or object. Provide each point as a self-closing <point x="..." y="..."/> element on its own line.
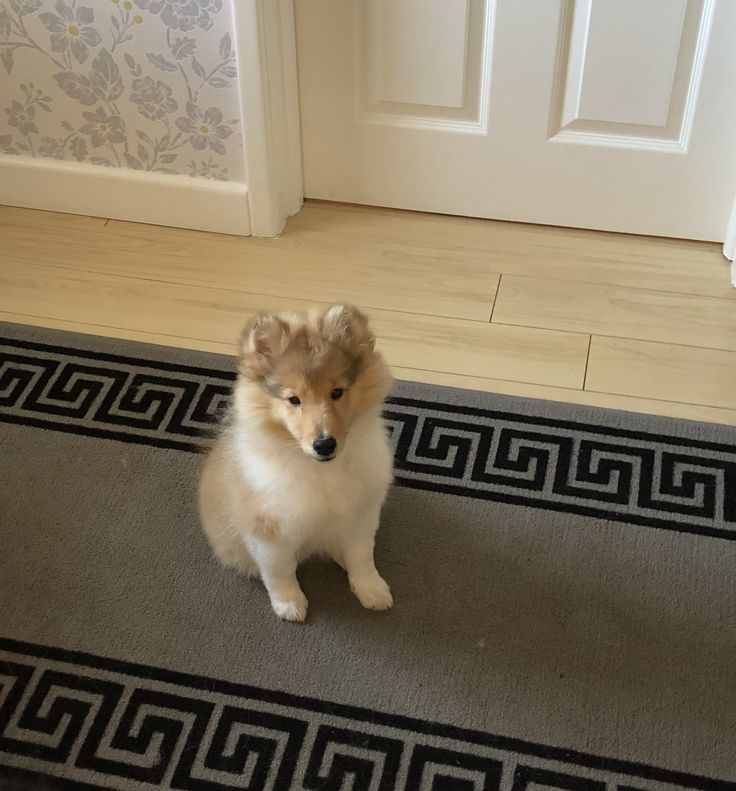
<point x="729" y="243"/>
<point x="122" y="194"/>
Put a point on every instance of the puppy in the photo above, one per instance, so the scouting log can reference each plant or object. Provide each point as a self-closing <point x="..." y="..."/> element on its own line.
<point x="304" y="465"/>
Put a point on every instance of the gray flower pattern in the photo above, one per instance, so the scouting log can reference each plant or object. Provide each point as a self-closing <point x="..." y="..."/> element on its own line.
<point x="7" y="147"/>
<point x="22" y="118"/>
<point x="204" y="128"/>
<point x="103" y="129"/>
<point x="183" y="15"/>
<point x="71" y="29"/>
<point x="208" y="170"/>
<point x="104" y="94"/>
<point x="50" y="148"/>
<point x="153" y="97"/>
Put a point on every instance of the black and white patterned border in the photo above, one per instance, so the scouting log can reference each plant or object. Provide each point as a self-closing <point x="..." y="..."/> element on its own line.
<point x="636" y="477"/>
<point x="70" y="720"/>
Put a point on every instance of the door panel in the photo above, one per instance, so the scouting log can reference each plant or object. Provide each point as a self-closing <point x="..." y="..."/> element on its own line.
<point x="626" y="85"/>
<point x="421" y="61"/>
<point x="626" y="70"/>
<point x="415" y="51"/>
<point x="612" y="114"/>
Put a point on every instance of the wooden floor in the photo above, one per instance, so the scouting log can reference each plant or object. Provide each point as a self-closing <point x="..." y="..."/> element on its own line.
<point x="620" y="321"/>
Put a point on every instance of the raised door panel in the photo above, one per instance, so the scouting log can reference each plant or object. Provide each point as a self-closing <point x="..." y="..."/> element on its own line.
<point x="423" y="62"/>
<point x="629" y="71"/>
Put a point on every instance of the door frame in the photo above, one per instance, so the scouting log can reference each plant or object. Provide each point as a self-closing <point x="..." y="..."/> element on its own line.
<point x="265" y="41"/>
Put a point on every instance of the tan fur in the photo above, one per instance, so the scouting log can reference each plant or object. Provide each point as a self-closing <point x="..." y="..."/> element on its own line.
<point x="264" y="493"/>
<point x="265" y="527"/>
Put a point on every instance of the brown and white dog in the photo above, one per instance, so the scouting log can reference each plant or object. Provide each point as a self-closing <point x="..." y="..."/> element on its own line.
<point x="304" y="465"/>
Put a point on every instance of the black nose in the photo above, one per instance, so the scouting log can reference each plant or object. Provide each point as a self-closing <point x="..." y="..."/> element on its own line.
<point x="325" y="446"/>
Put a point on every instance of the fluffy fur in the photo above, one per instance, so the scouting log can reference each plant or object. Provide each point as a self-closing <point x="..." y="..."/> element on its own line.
<point x="268" y="499"/>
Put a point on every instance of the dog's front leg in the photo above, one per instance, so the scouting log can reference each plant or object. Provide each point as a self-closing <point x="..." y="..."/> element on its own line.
<point x="277" y="564"/>
<point x="357" y="559"/>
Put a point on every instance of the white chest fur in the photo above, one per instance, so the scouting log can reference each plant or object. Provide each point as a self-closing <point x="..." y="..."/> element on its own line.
<point x="309" y="499"/>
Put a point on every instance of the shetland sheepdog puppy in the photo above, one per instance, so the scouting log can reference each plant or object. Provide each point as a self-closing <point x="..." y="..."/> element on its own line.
<point x="303" y="465"/>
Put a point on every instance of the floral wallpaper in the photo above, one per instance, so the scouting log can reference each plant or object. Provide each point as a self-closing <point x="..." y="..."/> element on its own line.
<point x="143" y="84"/>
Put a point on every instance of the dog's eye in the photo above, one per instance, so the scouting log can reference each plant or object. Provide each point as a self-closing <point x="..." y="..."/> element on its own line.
<point x="336" y="393"/>
<point x="294" y="401"/>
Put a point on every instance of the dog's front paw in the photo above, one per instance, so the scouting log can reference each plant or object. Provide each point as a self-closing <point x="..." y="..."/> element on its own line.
<point x="294" y="610"/>
<point x="373" y="592"/>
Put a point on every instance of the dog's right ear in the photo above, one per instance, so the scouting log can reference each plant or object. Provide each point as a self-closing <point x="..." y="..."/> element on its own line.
<point x="264" y="337"/>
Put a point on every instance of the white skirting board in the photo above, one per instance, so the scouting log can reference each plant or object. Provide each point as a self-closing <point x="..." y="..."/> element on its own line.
<point x="729" y="244"/>
<point x="122" y="194"/>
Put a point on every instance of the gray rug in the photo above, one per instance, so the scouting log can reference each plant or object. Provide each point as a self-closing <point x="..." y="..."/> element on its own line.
<point x="565" y="585"/>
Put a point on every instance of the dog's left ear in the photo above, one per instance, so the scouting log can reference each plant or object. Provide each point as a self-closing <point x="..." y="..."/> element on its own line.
<point x="347" y="326"/>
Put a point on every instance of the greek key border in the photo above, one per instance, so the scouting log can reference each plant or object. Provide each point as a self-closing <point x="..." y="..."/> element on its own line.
<point x="559" y="465"/>
<point x="115" y="708"/>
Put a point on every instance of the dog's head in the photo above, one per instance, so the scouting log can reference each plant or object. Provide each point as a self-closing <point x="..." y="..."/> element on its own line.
<point x="314" y="375"/>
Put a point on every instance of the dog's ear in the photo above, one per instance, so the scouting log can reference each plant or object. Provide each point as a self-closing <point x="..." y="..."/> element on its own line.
<point x="347" y="326"/>
<point x="264" y="337"/>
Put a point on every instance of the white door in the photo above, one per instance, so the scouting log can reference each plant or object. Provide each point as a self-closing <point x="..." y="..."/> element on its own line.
<point x="611" y="114"/>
